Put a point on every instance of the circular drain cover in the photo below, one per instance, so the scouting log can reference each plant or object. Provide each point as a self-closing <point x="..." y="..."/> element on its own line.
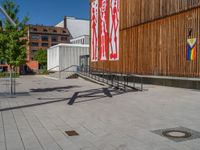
<point x="176" y="134"/>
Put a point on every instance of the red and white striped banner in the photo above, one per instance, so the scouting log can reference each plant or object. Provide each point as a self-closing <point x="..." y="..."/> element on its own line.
<point x="114" y="30"/>
<point x="94" y="30"/>
<point x="104" y="28"/>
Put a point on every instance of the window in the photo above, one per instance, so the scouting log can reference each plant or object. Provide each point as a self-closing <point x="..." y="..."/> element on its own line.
<point x="34" y="44"/>
<point x="35" y="37"/>
<point x="54" y="31"/>
<point x="2" y="62"/>
<point x="64" y="31"/>
<point x="45" y="38"/>
<point x="45" y="30"/>
<point x="63" y="38"/>
<point x="54" y="38"/>
<point x="45" y="44"/>
<point x="33" y="53"/>
<point x="33" y="29"/>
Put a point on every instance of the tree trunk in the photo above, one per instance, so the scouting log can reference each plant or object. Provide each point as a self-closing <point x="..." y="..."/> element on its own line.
<point x="11" y="86"/>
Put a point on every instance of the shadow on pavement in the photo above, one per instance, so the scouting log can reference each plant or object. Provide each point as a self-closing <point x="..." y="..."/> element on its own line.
<point x="53" y="89"/>
<point x="95" y="94"/>
<point x="33" y="105"/>
<point x="86" y="96"/>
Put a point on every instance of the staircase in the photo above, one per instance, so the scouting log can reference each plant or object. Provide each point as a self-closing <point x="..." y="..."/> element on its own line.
<point x="62" y="75"/>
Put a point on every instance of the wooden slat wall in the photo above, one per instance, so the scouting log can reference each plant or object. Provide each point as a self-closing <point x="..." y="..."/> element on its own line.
<point x="158" y="47"/>
<point x="135" y="12"/>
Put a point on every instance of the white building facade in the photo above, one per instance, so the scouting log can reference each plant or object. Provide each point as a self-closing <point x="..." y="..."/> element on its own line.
<point x="62" y="56"/>
<point x="77" y="27"/>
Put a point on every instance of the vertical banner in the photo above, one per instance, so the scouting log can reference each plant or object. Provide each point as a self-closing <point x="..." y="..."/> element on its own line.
<point x="191" y="49"/>
<point x="104" y="28"/>
<point x="114" y="30"/>
<point x="94" y="30"/>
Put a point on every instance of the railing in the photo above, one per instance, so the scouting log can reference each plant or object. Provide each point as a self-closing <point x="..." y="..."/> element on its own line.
<point x="54" y="68"/>
<point x="76" y="69"/>
<point x="119" y="80"/>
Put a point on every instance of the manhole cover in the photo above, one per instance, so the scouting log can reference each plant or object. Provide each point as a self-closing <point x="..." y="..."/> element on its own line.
<point x="71" y="133"/>
<point x="177" y="134"/>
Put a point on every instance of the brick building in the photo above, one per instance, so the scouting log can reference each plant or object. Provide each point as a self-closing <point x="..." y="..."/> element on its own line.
<point x="43" y="37"/>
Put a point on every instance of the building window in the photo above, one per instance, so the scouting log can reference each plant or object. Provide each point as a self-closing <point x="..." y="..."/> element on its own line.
<point x="45" y="44"/>
<point x="33" y="53"/>
<point x="45" y="38"/>
<point x="33" y="29"/>
<point x="63" y="38"/>
<point x="54" y="44"/>
<point x="34" y="44"/>
<point x="54" y="31"/>
<point x="35" y="37"/>
<point x="45" y="30"/>
<point x="64" y="31"/>
<point x="54" y="38"/>
<point x="2" y="62"/>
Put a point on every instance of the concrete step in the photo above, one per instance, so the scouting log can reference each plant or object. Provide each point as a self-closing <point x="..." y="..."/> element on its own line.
<point x="62" y="75"/>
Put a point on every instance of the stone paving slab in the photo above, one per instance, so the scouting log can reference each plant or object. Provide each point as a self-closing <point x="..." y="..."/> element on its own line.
<point x="40" y="116"/>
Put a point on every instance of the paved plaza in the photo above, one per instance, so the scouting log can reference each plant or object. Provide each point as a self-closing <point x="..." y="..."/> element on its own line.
<point x="104" y="118"/>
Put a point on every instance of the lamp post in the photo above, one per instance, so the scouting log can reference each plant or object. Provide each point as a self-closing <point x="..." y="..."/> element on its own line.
<point x="13" y="24"/>
<point x="7" y="16"/>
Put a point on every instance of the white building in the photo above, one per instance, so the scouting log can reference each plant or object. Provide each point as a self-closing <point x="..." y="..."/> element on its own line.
<point x="81" y="40"/>
<point x="76" y="27"/>
<point x="62" y="56"/>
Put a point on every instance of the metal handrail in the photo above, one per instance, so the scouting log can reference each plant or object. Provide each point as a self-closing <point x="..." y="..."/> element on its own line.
<point x="118" y="79"/>
<point x="60" y="71"/>
<point x="68" y="68"/>
<point x="53" y="68"/>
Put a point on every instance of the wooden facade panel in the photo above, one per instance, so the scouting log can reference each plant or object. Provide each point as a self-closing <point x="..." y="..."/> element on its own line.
<point x="159" y="47"/>
<point x="135" y="12"/>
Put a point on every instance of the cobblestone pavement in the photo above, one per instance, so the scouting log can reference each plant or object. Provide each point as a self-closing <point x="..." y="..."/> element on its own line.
<point x="39" y="115"/>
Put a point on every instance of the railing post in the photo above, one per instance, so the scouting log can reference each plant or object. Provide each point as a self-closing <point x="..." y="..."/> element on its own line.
<point x="89" y="72"/>
<point x="59" y="72"/>
<point x="141" y="84"/>
<point x="107" y="78"/>
<point x="127" y="80"/>
<point x="124" y="78"/>
<point x="14" y="86"/>
<point x="118" y="82"/>
<point x="103" y="76"/>
<point x="112" y="80"/>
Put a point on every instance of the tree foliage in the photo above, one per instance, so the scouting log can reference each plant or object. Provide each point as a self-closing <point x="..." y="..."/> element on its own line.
<point x="12" y="39"/>
<point x="41" y="57"/>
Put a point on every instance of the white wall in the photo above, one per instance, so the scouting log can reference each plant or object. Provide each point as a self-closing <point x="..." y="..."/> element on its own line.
<point x="77" y="27"/>
<point x="53" y="58"/>
<point x="69" y="54"/>
<point x="81" y="40"/>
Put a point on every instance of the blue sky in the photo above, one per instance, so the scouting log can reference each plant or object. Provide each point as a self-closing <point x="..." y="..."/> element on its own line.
<point x="50" y="12"/>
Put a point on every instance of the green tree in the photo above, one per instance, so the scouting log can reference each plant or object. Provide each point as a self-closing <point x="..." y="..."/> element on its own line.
<point x="12" y="38"/>
<point x="41" y="57"/>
